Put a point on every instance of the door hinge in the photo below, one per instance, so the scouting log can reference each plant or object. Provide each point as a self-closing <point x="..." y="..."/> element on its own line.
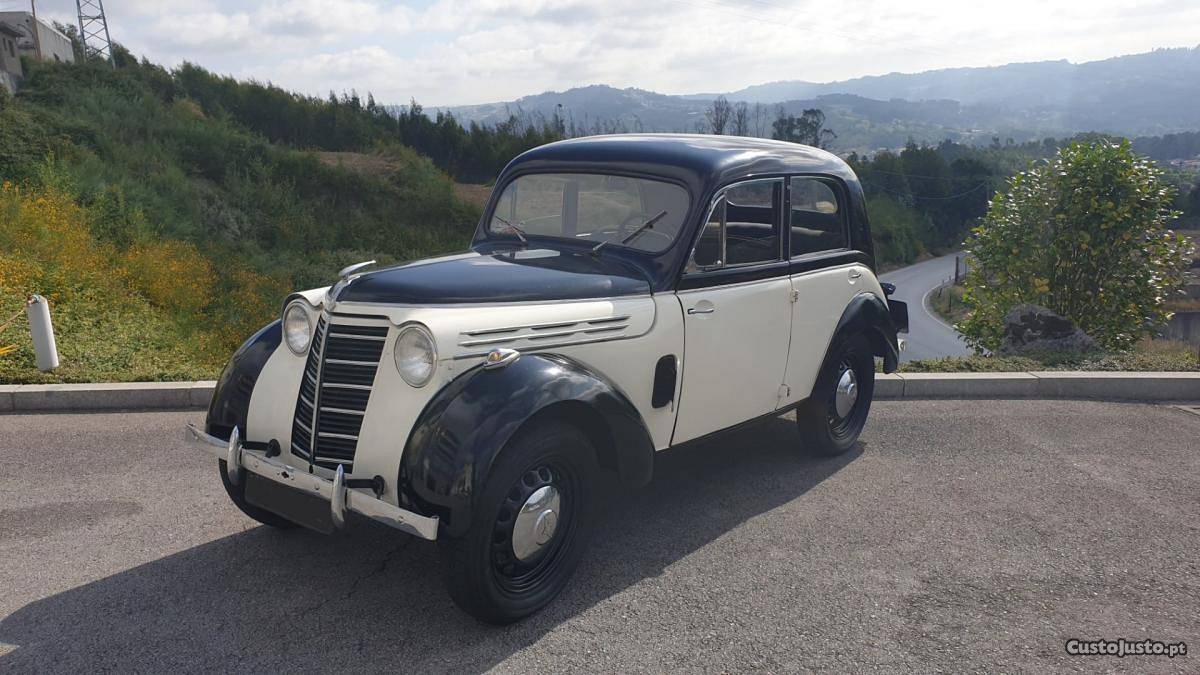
<point x="795" y="295"/>
<point x="784" y="391"/>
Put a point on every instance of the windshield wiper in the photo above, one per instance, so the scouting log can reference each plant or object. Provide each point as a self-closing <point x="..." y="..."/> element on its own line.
<point x="514" y="229"/>
<point x="648" y="225"/>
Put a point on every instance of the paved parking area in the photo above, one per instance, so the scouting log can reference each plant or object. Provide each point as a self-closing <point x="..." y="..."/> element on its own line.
<point x="962" y="536"/>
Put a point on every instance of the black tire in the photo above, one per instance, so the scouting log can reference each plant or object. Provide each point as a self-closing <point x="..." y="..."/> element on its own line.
<point x="482" y="571"/>
<point x="823" y="431"/>
<point x="237" y="494"/>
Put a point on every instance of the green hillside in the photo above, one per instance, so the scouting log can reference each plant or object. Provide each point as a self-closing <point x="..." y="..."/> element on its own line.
<point x="166" y="231"/>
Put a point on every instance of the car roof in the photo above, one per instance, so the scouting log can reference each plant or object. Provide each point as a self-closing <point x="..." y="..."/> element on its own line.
<point x="705" y="156"/>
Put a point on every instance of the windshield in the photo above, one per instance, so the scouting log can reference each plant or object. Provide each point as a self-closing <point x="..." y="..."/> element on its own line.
<point x="593" y="208"/>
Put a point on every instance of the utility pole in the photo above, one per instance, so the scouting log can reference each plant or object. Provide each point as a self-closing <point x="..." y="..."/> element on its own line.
<point x="37" y="39"/>
<point x="93" y="30"/>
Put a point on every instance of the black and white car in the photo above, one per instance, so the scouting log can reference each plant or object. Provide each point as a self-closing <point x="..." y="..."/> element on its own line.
<point x="622" y="295"/>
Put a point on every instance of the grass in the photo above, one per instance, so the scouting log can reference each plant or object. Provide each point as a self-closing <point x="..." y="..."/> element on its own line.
<point x="164" y="236"/>
<point x="1148" y="356"/>
<point x="947" y="303"/>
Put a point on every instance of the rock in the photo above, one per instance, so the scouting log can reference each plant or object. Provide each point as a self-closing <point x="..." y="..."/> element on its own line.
<point x="1031" y="328"/>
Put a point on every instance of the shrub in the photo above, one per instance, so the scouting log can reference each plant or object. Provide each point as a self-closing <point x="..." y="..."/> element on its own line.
<point x="1084" y="234"/>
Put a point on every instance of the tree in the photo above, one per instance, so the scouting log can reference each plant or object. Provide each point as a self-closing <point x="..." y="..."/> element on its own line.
<point x="760" y="120"/>
<point x="718" y="115"/>
<point x="807" y="129"/>
<point x="1084" y="234"/>
<point x="741" y="119"/>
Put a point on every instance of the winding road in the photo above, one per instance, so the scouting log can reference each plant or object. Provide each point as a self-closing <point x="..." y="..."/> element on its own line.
<point x="928" y="336"/>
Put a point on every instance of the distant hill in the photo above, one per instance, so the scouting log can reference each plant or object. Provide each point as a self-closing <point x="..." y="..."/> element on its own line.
<point x="1142" y="94"/>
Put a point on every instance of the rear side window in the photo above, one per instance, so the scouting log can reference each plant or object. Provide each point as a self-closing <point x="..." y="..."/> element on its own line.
<point x="816" y="216"/>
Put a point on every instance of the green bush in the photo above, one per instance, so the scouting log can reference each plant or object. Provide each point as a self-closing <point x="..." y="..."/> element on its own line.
<point x="1084" y="234"/>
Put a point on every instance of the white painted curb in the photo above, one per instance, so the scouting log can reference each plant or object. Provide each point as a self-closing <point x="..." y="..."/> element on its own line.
<point x="108" y="396"/>
<point x="1121" y="386"/>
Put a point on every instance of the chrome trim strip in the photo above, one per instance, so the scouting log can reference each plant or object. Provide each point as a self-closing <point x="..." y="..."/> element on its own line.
<point x="345" y="362"/>
<point x="343" y="411"/>
<point x="531" y="349"/>
<point x="541" y="326"/>
<point x="332" y="460"/>
<point x="536" y="336"/>
<point x="312" y="429"/>
<point x="372" y="338"/>
<point x="365" y="503"/>
<point x="341" y="385"/>
<point x="330" y="434"/>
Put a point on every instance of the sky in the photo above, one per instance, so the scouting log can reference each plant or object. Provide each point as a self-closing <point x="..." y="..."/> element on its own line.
<point x="453" y="52"/>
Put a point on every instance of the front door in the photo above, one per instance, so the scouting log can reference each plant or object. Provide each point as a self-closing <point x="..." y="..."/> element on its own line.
<point x="736" y="300"/>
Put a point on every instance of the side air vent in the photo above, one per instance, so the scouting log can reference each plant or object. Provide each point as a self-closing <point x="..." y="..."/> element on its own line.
<point x="544" y="335"/>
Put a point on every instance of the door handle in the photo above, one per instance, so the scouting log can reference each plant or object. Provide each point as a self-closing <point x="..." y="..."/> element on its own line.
<point x="698" y="310"/>
<point x="855" y="274"/>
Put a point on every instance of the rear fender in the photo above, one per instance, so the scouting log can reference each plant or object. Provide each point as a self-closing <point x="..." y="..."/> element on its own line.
<point x="868" y="314"/>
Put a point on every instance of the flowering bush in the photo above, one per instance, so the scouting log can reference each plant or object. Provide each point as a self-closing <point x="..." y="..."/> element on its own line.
<point x="1084" y="234"/>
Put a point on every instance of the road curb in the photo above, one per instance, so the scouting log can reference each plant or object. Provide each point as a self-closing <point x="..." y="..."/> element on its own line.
<point x="129" y="396"/>
<point x="1113" y="386"/>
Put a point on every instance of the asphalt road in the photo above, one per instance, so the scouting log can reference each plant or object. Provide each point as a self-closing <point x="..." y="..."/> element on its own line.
<point x="960" y="537"/>
<point x="928" y="336"/>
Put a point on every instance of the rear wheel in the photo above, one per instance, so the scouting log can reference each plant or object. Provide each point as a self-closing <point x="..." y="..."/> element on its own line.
<point x="237" y="494"/>
<point x="530" y="526"/>
<point x="832" y="418"/>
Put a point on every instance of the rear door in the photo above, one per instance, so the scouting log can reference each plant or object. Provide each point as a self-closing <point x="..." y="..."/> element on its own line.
<point x="826" y="274"/>
<point x="736" y="299"/>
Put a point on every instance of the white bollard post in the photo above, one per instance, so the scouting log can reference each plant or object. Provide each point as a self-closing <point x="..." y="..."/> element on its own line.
<point x="42" y="332"/>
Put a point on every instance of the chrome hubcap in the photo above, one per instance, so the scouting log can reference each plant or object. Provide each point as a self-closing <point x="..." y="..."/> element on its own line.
<point x="846" y="393"/>
<point x="536" y="522"/>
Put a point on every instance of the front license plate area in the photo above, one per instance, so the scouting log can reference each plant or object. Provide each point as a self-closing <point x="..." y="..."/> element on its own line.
<point x="300" y="508"/>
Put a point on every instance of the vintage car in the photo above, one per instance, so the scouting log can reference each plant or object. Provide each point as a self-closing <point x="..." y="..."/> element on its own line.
<point x="622" y="295"/>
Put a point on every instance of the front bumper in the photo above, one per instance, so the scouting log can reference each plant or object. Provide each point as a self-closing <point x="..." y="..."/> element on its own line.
<point x="341" y="498"/>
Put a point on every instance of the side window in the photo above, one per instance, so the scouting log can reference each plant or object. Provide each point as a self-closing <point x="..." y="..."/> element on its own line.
<point x="817" y="221"/>
<point x="743" y="227"/>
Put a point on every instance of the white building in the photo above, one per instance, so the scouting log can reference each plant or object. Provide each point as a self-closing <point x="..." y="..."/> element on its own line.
<point x="10" y="62"/>
<point x="52" y="44"/>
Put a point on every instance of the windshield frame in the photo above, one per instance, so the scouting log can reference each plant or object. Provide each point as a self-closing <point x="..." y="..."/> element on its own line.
<point x="501" y="237"/>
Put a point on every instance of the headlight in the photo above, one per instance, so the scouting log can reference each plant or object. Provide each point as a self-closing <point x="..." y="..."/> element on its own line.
<point x="297" y="329"/>
<point x="416" y="357"/>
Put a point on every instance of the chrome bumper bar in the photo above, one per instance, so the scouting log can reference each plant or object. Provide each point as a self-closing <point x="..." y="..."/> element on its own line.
<point x="341" y="498"/>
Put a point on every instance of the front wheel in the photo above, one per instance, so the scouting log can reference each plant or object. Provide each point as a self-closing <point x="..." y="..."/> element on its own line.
<point x="832" y="418"/>
<point x="529" y="527"/>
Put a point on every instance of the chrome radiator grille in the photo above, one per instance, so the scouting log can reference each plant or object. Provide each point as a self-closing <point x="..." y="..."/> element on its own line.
<point x="336" y="386"/>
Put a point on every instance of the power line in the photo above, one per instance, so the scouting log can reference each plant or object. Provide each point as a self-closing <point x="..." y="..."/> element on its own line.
<point x="912" y="196"/>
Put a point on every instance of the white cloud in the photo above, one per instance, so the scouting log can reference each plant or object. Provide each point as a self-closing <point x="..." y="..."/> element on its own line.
<point x="470" y="51"/>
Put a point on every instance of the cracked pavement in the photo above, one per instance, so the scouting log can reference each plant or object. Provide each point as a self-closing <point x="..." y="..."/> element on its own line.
<point x="962" y="536"/>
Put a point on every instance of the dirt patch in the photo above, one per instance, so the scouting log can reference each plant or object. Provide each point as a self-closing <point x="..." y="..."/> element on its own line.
<point x="473" y="194"/>
<point x="357" y="161"/>
<point x="379" y="164"/>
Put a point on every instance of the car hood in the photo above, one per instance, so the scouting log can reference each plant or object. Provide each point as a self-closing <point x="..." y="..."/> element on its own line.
<point x="522" y="275"/>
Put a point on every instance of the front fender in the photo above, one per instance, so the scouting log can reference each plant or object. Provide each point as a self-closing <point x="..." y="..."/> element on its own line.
<point x="230" y="403"/>
<point x="460" y="433"/>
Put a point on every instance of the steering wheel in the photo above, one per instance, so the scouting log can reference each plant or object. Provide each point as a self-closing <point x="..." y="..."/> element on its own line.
<point x="667" y="239"/>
